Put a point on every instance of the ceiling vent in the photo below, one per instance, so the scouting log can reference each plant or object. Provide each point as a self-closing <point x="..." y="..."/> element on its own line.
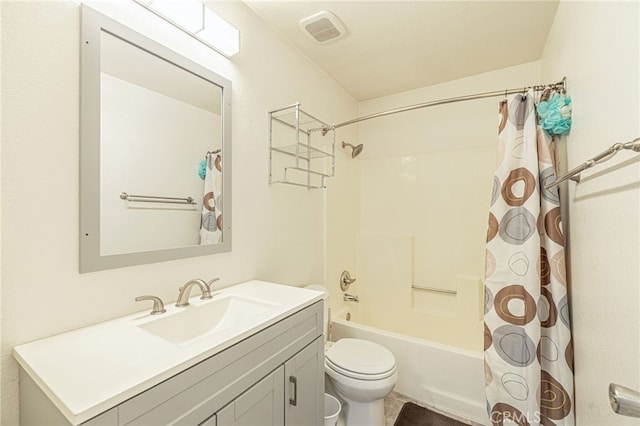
<point x="323" y="27"/>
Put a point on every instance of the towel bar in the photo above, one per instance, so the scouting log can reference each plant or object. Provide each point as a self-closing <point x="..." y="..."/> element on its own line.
<point x="153" y="199"/>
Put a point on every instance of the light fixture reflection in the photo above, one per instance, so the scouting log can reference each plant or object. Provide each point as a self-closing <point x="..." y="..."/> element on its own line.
<point x="220" y="33"/>
<point x="194" y="18"/>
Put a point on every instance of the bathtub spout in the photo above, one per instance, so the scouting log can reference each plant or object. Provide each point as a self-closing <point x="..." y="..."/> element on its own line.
<point x="350" y="298"/>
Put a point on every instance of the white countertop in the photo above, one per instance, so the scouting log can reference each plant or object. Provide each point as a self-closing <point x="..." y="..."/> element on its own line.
<point x="90" y="370"/>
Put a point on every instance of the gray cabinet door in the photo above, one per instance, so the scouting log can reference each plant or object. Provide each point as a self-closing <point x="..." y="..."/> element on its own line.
<point x="260" y="405"/>
<point x="304" y="384"/>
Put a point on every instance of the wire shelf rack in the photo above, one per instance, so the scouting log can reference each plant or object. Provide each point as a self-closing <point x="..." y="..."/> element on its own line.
<point x="301" y="148"/>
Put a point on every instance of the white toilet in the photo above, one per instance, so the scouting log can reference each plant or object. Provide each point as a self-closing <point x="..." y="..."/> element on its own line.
<point x="362" y="373"/>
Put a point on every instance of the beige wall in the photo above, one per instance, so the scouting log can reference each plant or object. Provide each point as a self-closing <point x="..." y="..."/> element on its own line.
<point x="597" y="46"/>
<point x="278" y="230"/>
<point x="342" y="216"/>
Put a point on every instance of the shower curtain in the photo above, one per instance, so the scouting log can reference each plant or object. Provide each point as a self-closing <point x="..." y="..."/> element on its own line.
<point x="527" y="337"/>
<point x="211" y="219"/>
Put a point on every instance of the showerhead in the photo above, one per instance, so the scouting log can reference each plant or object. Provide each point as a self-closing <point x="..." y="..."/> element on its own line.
<point x="357" y="150"/>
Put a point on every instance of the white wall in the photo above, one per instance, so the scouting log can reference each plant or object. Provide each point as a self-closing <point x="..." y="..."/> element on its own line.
<point x="278" y="230"/>
<point x="425" y="186"/>
<point x="597" y="46"/>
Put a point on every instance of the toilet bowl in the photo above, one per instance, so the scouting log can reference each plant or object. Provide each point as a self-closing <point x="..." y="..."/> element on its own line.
<point x="362" y="373"/>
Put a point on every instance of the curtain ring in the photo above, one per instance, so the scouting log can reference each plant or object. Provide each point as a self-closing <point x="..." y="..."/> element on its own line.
<point x="546" y="93"/>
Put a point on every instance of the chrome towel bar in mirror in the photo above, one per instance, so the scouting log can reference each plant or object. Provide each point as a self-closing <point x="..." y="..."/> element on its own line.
<point x="156" y="199"/>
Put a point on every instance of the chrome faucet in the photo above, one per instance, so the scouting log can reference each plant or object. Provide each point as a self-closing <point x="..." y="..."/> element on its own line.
<point x="210" y="283"/>
<point x="350" y="298"/>
<point x="158" y="306"/>
<point x="183" y="295"/>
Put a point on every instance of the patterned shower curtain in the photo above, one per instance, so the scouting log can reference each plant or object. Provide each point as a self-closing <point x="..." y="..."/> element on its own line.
<point x="527" y="337"/>
<point x="211" y="219"/>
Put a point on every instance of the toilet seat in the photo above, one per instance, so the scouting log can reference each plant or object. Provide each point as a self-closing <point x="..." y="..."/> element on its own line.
<point x="360" y="359"/>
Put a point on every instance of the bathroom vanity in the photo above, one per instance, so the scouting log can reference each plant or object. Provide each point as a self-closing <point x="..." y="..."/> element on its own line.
<point x="261" y="363"/>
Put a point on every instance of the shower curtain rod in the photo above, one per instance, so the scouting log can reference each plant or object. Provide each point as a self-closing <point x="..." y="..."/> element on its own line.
<point x="561" y="85"/>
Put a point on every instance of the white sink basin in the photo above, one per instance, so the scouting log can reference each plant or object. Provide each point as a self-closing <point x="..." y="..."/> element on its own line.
<point x="92" y="369"/>
<point x="187" y="325"/>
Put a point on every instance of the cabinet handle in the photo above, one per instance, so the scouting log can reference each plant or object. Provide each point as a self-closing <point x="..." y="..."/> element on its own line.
<point x="294" y="401"/>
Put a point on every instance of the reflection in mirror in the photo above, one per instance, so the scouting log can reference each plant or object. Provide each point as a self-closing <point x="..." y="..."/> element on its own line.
<point x="155" y="127"/>
<point x="157" y="122"/>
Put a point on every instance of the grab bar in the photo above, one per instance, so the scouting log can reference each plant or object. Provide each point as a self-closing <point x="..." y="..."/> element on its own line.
<point x="434" y="289"/>
<point x="153" y="199"/>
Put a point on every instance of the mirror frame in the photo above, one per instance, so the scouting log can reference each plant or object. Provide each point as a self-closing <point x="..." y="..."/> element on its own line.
<point x="92" y="25"/>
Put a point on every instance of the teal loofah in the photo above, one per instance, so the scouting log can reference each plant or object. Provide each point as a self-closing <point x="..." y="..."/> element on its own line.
<point x="555" y="114"/>
<point x="202" y="170"/>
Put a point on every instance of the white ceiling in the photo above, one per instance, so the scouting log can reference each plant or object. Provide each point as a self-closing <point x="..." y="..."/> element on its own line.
<point x="394" y="46"/>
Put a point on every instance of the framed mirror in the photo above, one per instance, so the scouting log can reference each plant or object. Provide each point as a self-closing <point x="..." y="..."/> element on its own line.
<point x="155" y="151"/>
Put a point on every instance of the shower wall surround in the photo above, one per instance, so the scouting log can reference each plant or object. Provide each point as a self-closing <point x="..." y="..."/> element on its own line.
<point x="429" y="232"/>
<point x="278" y="234"/>
<point x="425" y="182"/>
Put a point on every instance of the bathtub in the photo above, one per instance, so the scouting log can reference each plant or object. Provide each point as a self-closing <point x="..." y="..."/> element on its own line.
<point x="444" y="377"/>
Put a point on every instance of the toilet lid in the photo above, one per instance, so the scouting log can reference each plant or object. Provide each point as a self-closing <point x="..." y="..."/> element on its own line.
<point x="356" y="357"/>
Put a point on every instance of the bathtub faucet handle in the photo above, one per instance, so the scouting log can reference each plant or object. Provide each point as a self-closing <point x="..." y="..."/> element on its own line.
<point x="346" y="280"/>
